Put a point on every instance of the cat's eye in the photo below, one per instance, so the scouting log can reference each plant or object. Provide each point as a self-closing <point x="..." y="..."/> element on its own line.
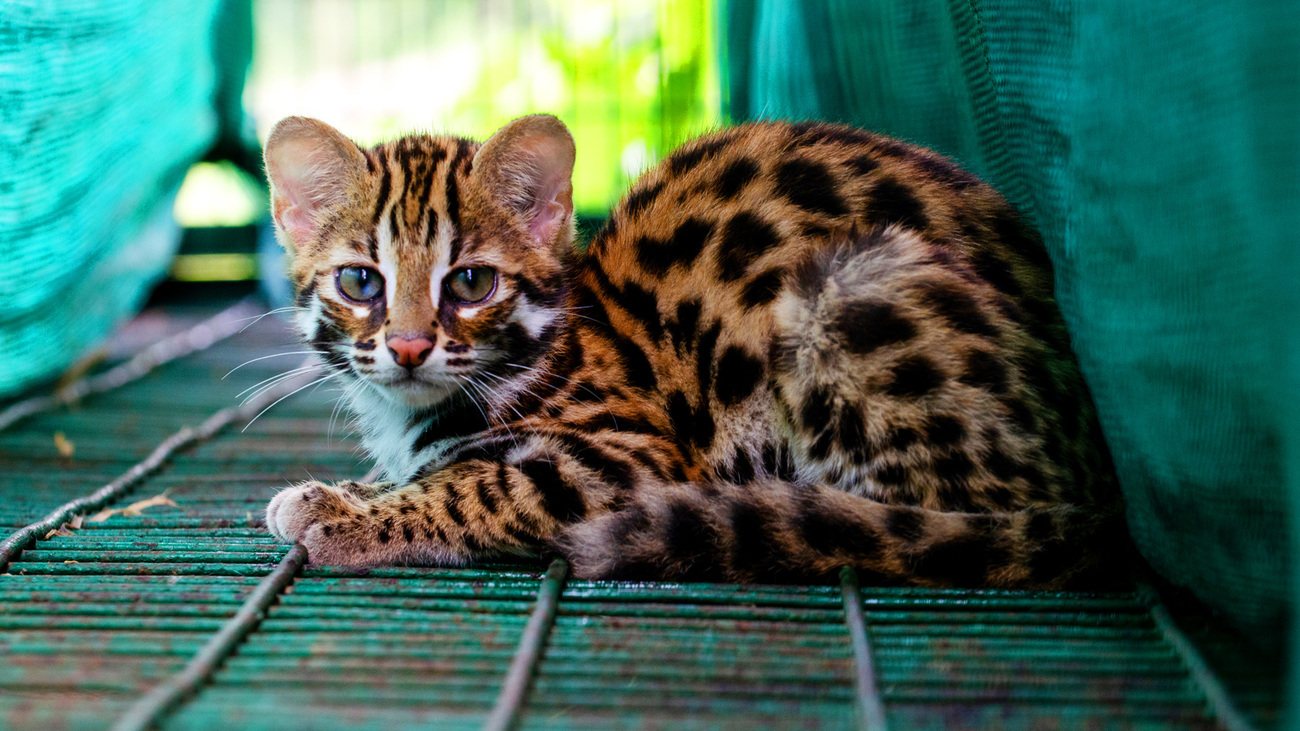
<point x="360" y="284"/>
<point x="471" y="284"/>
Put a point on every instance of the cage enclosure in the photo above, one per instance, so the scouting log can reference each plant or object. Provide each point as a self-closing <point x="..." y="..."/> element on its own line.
<point x="1154" y="146"/>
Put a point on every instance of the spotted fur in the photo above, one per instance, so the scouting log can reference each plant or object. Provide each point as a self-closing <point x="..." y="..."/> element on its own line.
<point x="791" y="348"/>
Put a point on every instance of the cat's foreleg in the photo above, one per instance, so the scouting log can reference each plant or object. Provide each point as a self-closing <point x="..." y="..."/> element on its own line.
<point x="366" y="490"/>
<point x="465" y="510"/>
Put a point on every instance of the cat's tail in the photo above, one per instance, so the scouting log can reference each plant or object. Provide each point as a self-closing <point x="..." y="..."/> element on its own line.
<point x="776" y="532"/>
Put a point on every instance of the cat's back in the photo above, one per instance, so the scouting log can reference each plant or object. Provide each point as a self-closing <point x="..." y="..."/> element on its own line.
<point x="726" y="216"/>
<point x="820" y="259"/>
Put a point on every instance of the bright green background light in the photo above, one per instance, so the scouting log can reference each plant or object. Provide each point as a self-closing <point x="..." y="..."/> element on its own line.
<point x="631" y="79"/>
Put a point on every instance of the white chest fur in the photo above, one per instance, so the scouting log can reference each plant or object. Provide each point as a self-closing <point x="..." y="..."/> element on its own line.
<point x="389" y="437"/>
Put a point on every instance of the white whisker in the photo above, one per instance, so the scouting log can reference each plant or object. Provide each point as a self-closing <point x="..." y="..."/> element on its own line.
<point x="271" y="382"/>
<point x="338" y="406"/>
<point x="480" y="390"/>
<point x="316" y="382"/>
<point x="265" y="357"/>
<point x="511" y="406"/>
<point x="258" y="318"/>
<point x="603" y="400"/>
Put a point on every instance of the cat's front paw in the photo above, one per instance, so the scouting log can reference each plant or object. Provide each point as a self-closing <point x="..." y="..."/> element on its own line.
<point x="309" y="514"/>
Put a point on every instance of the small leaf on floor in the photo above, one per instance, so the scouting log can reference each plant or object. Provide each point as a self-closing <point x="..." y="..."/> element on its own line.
<point x="134" y="509"/>
<point x="60" y="531"/>
<point x="64" y="445"/>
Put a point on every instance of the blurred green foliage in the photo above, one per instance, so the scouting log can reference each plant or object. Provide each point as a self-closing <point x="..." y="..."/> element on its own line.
<point x="631" y="79"/>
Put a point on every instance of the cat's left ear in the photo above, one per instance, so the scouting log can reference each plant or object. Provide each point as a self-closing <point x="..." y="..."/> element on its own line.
<point x="528" y="164"/>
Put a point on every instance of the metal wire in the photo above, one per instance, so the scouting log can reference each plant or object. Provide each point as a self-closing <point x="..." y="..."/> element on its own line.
<point x="871" y="710"/>
<point x="155" y="704"/>
<point x="523" y="667"/>
<point x="24" y="537"/>
<point x="203" y="335"/>
<point x="1225" y="711"/>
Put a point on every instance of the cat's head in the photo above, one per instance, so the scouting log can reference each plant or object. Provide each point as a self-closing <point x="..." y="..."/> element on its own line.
<point x="427" y="263"/>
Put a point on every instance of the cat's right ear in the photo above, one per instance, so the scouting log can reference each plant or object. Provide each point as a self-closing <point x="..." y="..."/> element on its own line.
<point x="311" y="167"/>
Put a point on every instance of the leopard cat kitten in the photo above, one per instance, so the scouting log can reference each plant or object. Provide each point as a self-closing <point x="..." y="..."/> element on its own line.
<point x="793" y="347"/>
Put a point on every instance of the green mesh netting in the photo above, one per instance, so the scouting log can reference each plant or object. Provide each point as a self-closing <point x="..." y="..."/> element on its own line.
<point x="1156" y="145"/>
<point x="103" y="106"/>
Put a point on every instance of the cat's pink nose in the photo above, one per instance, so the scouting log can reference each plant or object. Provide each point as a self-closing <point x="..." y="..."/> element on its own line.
<point x="409" y="352"/>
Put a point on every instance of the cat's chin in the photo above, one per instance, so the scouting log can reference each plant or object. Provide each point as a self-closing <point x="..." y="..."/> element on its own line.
<point x="416" y="394"/>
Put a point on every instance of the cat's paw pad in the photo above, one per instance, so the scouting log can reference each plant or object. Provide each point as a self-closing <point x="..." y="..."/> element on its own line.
<point x="292" y="513"/>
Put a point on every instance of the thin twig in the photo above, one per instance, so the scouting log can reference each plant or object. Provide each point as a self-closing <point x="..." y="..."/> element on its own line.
<point x="201" y="336"/>
<point x="24" y="537"/>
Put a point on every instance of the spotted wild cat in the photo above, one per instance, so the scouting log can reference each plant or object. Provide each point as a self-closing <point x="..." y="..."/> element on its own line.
<point x="793" y="347"/>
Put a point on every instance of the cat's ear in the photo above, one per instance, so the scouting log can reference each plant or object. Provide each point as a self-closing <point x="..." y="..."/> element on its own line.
<point x="528" y="164"/>
<point x="311" y="167"/>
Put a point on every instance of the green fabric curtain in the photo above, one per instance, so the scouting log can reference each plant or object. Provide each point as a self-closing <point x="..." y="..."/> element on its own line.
<point x="1156" y="145"/>
<point x="104" y="104"/>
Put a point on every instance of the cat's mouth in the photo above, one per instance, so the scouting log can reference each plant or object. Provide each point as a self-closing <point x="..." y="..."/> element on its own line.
<point x="414" y="390"/>
<point x="408" y="381"/>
